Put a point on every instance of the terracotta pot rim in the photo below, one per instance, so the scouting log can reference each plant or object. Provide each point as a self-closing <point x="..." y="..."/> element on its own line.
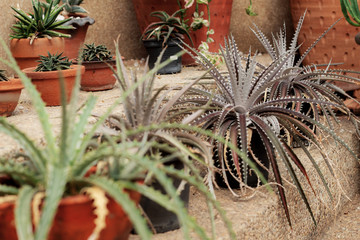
<point x="44" y="75"/>
<point x="12" y="84"/>
<point x="113" y="60"/>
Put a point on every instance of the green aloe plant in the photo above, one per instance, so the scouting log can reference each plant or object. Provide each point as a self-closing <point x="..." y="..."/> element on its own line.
<point x="59" y="167"/>
<point x="41" y="23"/>
<point x="53" y="62"/>
<point x="92" y="52"/>
<point x="243" y="107"/>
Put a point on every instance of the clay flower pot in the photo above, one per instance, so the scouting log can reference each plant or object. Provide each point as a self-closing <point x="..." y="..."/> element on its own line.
<point x="48" y="83"/>
<point x="98" y="76"/>
<point x="9" y="96"/>
<point x="75" y="220"/>
<point x="27" y="55"/>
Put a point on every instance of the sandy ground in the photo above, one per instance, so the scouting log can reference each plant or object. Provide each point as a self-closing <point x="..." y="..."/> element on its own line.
<point x="346" y="225"/>
<point x="257" y="214"/>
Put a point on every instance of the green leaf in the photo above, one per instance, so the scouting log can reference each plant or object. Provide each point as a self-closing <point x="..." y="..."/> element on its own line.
<point x="23" y="219"/>
<point x="8" y="190"/>
<point x="55" y="187"/>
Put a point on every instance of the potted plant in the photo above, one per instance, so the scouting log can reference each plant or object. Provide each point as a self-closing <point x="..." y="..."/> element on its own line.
<point x="10" y="90"/>
<point x="36" y="33"/>
<point x="80" y="23"/>
<point x="165" y="33"/>
<point x="98" y="75"/>
<point x="52" y="175"/>
<point x="46" y="77"/>
<point x="245" y="110"/>
<point x="200" y="21"/>
<point x="146" y="108"/>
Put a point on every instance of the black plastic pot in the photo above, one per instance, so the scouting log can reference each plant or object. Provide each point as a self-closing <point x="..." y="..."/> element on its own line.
<point x="154" y="48"/>
<point x="259" y="150"/>
<point x="161" y="219"/>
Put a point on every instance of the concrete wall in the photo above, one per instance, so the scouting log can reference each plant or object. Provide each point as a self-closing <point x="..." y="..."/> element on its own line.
<point x="117" y="17"/>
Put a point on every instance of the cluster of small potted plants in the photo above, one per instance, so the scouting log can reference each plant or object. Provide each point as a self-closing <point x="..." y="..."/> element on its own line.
<point x="252" y="118"/>
<point x="40" y="38"/>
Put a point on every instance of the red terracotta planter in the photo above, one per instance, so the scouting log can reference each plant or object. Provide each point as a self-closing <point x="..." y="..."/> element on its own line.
<point x="75" y="220"/>
<point x="48" y="83"/>
<point x="338" y="46"/>
<point x="27" y="55"/>
<point x="9" y="96"/>
<point x="98" y="76"/>
<point x="220" y="14"/>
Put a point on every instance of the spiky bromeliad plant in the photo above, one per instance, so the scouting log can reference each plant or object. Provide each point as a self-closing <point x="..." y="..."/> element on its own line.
<point x="92" y="52"/>
<point x="58" y="168"/>
<point x="41" y="23"/>
<point x="312" y="81"/>
<point x="146" y="106"/>
<point x="243" y="107"/>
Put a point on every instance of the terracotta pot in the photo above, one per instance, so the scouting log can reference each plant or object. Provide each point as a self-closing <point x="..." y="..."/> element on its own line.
<point x="220" y="14"/>
<point x="75" y="220"/>
<point x="75" y="43"/>
<point x="98" y="76"/>
<point x="9" y="96"/>
<point x="27" y="55"/>
<point x="338" y="46"/>
<point x="48" y="83"/>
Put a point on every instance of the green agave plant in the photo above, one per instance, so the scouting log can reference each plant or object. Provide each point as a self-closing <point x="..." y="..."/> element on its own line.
<point x="59" y="167"/>
<point x="167" y="26"/>
<point x="53" y="62"/>
<point x="95" y="53"/>
<point x="73" y="6"/>
<point x="243" y="107"/>
<point x="41" y="23"/>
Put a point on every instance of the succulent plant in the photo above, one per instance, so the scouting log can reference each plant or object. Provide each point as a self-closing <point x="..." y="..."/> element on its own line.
<point x="58" y="168"/>
<point x="167" y="26"/>
<point x="312" y="81"/>
<point x="73" y="6"/>
<point x="95" y="53"/>
<point x="53" y="62"/>
<point x="243" y="106"/>
<point x="3" y="77"/>
<point x="41" y="23"/>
